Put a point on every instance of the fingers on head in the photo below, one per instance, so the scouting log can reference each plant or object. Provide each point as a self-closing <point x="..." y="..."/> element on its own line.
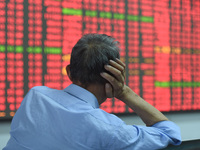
<point x="116" y="65"/>
<point x="121" y="63"/>
<point x="109" y="78"/>
<point x="116" y="73"/>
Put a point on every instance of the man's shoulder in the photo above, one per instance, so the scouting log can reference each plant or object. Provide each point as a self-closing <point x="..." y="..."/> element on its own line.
<point x="46" y="91"/>
<point x="41" y="88"/>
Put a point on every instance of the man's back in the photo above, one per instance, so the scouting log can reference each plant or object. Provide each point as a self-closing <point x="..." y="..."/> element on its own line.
<point x="71" y="119"/>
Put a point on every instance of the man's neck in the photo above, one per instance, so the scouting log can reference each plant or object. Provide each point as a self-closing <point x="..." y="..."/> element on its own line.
<point x="97" y="89"/>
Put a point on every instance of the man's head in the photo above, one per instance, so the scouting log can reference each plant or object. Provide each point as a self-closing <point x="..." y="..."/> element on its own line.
<point x="89" y="56"/>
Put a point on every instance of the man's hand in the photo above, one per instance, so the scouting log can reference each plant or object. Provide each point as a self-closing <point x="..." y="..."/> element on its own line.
<point x="115" y="87"/>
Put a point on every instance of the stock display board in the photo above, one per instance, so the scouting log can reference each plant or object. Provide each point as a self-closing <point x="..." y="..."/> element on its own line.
<point x="160" y="43"/>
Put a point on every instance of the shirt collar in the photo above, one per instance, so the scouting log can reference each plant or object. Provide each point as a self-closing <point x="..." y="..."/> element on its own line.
<point x="82" y="94"/>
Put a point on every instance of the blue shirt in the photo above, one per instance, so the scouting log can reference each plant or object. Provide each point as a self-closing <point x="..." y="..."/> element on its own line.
<point x="71" y="119"/>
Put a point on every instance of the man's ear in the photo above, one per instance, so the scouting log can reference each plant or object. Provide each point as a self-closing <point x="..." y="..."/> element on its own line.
<point x="68" y="72"/>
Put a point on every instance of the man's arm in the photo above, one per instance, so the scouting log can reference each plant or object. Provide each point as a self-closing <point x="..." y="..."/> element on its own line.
<point x="149" y="114"/>
<point x="116" y="88"/>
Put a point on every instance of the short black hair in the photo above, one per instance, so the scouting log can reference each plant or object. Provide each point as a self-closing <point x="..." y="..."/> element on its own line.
<point x="89" y="56"/>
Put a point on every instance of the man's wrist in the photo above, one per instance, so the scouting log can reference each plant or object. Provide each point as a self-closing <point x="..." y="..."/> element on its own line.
<point x="125" y="93"/>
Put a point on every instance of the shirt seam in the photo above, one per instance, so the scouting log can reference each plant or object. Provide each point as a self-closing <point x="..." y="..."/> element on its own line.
<point x="79" y="98"/>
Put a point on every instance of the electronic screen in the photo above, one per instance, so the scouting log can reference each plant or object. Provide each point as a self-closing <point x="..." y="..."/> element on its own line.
<point x="160" y="42"/>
